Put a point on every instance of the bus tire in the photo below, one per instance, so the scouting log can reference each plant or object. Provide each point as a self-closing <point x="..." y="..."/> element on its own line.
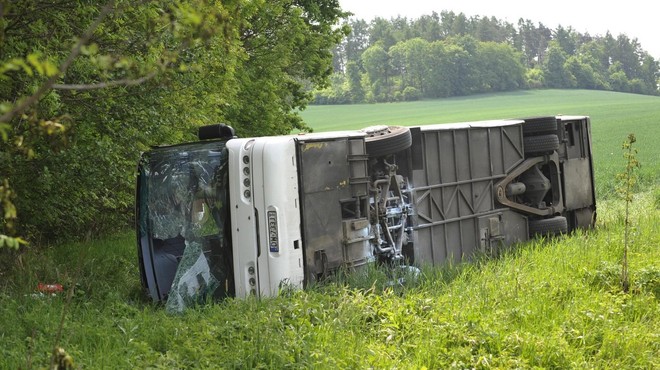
<point x="386" y="140"/>
<point x="548" y="226"/>
<point x="539" y="126"/>
<point x="541" y="144"/>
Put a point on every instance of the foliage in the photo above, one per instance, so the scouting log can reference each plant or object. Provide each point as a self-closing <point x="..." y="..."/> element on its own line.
<point x="75" y="118"/>
<point x="410" y="60"/>
<point x="354" y="81"/>
<point x="499" y="66"/>
<point x="534" y="78"/>
<point x="431" y="69"/>
<point x="563" y="308"/>
<point x="8" y="217"/>
<point x="449" y="54"/>
<point x="554" y="71"/>
<point x="376" y="63"/>
<point x="289" y="47"/>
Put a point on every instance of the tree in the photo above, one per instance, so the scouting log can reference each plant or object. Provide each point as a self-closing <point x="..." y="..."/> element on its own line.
<point x="534" y="78"/>
<point x="490" y="29"/>
<point x="352" y="46"/>
<point x="438" y="75"/>
<point x="585" y="77"/>
<point x="460" y="26"/>
<point x="649" y="74"/>
<point x="397" y="56"/>
<point x="617" y="78"/>
<point x="77" y="107"/>
<point x="376" y="63"/>
<point x="354" y="78"/>
<point x="567" y="39"/>
<point x="382" y="32"/>
<point x="627" y="52"/>
<point x="534" y="41"/>
<point x="287" y="44"/>
<point x="451" y="71"/>
<point x="555" y="72"/>
<point x="74" y="118"/>
<point x="428" y="27"/>
<point x="357" y="41"/>
<point x="410" y="58"/>
<point x="499" y="67"/>
<point x="401" y="30"/>
<point x="337" y="92"/>
<point x="464" y="74"/>
<point x="593" y="54"/>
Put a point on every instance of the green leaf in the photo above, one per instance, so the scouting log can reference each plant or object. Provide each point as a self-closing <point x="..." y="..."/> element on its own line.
<point x="5" y="107"/>
<point x="51" y="69"/>
<point x="90" y="49"/>
<point x="33" y="59"/>
<point x="11" y="242"/>
<point x="4" y="131"/>
<point x="17" y="63"/>
<point x="104" y="61"/>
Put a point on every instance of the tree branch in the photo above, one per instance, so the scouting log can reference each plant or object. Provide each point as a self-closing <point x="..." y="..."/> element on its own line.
<point x="102" y="85"/>
<point x="75" y="51"/>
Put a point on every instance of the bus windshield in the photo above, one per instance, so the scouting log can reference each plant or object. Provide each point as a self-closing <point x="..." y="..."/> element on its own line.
<point x="185" y="251"/>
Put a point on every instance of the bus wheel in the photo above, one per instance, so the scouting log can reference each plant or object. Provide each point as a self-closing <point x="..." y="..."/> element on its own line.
<point x="548" y="226"/>
<point x="385" y="140"/>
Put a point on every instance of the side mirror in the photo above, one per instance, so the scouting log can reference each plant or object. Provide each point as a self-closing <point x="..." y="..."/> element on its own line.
<point x="217" y="131"/>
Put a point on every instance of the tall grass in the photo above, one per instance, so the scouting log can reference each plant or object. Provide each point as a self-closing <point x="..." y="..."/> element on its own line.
<point x="553" y="303"/>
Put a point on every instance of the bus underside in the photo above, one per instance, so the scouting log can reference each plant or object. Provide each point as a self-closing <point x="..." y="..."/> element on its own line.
<point x="423" y="195"/>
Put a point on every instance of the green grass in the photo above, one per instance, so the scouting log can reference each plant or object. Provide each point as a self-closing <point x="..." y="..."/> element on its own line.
<point x="549" y="304"/>
<point x="613" y="117"/>
<point x="546" y="304"/>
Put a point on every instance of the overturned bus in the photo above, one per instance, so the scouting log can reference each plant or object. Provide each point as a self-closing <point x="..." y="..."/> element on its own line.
<point x="227" y="216"/>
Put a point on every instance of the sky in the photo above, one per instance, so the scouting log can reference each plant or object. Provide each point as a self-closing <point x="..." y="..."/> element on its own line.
<point x="636" y="18"/>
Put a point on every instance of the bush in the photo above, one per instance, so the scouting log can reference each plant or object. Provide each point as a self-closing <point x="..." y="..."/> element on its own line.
<point x="534" y="78"/>
<point x="411" y="93"/>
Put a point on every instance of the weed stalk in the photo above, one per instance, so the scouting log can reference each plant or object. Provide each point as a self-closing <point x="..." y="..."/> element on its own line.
<point x="627" y="181"/>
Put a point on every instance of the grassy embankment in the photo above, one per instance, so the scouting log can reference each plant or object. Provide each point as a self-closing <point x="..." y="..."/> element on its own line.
<point x="554" y="303"/>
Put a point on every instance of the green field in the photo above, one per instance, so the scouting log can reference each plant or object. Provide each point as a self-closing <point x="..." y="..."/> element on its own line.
<point x="546" y="304"/>
<point x="613" y="117"/>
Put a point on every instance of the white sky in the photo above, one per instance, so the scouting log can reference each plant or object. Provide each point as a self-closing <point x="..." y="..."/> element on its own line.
<point x="636" y="18"/>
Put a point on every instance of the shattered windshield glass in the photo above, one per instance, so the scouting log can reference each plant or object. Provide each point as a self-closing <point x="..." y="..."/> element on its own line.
<point x="185" y="194"/>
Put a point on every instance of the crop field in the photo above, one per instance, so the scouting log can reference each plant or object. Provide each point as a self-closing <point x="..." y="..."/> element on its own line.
<point x="613" y="117"/>
<point x="550" y="303"/>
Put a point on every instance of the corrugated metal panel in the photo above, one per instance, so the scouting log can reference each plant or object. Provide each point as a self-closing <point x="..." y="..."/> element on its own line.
<point x="454" y="187"/>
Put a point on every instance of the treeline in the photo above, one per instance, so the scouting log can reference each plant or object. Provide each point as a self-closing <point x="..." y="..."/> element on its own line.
<point x="448" y="54"/>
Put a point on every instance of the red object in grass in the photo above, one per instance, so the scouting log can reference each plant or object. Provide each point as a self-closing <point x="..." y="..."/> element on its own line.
<point x="50" y="288"/>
